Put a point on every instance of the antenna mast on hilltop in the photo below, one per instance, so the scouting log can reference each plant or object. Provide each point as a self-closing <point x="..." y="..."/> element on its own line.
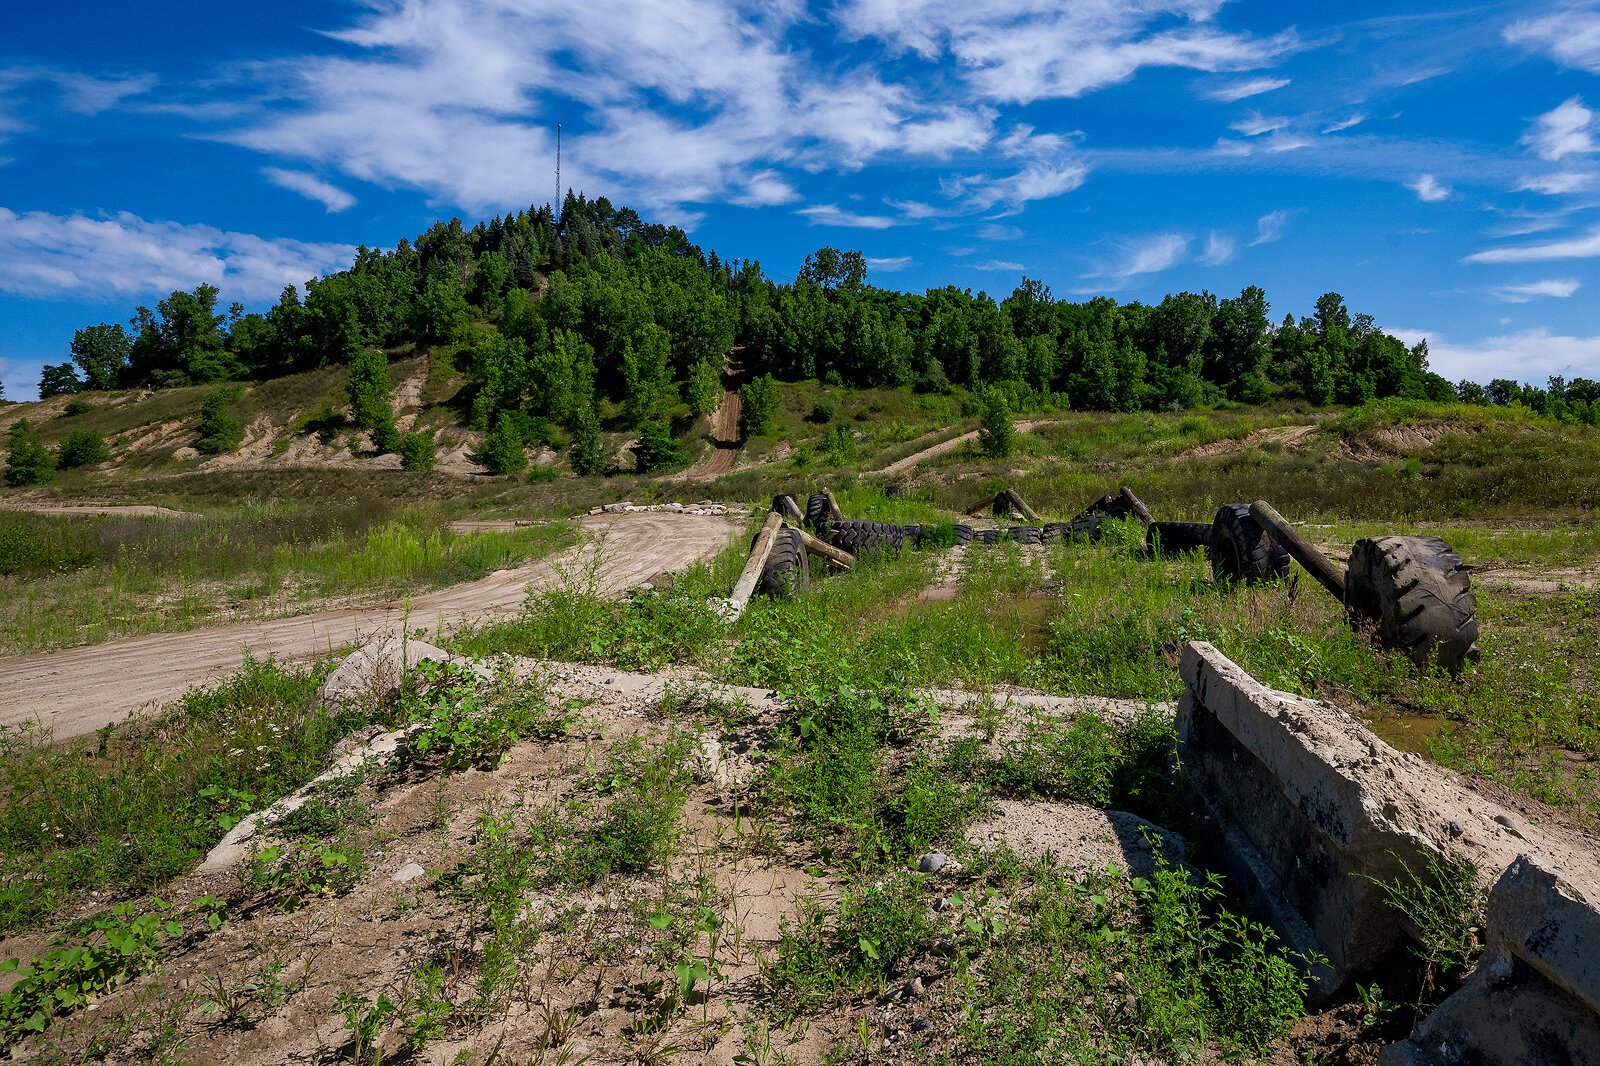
<point x="555" y="206"/>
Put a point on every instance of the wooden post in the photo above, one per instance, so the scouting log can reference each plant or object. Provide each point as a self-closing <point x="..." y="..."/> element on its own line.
<point x="987" y="501"/>
<point x="1138" y="506"/>
<point x="757" y="562"/>
<point x="791" y="509"/>
<point x="1305" y="553"/>
<point x="836" y="557"/>
<point x="834" y="513"/>
<point x="1022" y="505"/>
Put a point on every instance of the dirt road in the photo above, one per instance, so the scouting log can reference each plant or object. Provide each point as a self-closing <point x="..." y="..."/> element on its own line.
<point x="901" y="466"/>
<point x="725" y="439"/>
<point x="138" y="510"/>
<point x="78" y="690"/>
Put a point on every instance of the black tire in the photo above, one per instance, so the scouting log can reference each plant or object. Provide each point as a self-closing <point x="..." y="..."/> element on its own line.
<point x="1084" y="527"/>
<point x="1242" y="551"/>
<point x="865" y="538"/>
<point x="786" y="505"/>
<point x="1027" y="535"/>
<point x="988" y="536"/>
<point x="1173" y="538"/>
<point x="817" y="514"/>
<point x="1420" y="596"/>
<point x="788" y="569"/>
<point x="913" y="535"/>
<point x="895" y="491"/>
<point x="963" y="533"/>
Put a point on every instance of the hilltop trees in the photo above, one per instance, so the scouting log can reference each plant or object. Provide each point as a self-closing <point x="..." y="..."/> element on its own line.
<point x="371" y="402"/>
<point x="101" y="353"/>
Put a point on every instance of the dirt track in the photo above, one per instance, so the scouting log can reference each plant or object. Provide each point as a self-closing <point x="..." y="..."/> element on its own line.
<point x="78" y="690"/>
<point x="900" y="466"/>
<point x="725" y="441"/>
<point x="139" y="510"/>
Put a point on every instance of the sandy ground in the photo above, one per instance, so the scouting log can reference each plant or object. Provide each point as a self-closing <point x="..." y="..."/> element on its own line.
<point x="78" y="690"/>
<point x="1287" y="436"/>
<point x="140" y="510"/>
<point x="901" y="466"/>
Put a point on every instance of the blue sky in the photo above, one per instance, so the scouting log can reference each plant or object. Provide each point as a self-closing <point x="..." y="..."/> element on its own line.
<point x="1438" y="165"/>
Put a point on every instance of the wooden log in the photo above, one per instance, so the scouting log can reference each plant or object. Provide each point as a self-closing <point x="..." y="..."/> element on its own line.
<point x="1137" y="505"/>
<point x="791" y="509"/>
<point x="986" y="502"/>
<point x="746" y="585"/>
<point x="836" y="557"/>
<point x="1020" y="505"/>
<point x="1305" y="553"/>
<point x="833" y="506"/>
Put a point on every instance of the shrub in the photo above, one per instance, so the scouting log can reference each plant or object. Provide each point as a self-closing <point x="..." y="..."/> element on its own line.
<point x="370" y="403"/>
<point x="27" y="460"/>
<point x="759" y="399"/>
<point x="417" y="451"/>
<point x="82" y="447"/>
<point x="503" y="451"/>
<point x="996" y="435"/>
<point x="586" y="455"/>
<point x="839" y="444"/>
<point x="656" y="449"/>
<point x="219" y="431"/>
<point x="76" y="406"/>
<point x="824" y="410"/>
<point x="705" y="388"/>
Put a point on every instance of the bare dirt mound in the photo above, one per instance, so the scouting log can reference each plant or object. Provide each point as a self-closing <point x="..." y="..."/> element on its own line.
<point x="96" y="510"/>
<point x="78" y="690"/>
<point x="901" y="466"/>
<point x="1286" y="436"/>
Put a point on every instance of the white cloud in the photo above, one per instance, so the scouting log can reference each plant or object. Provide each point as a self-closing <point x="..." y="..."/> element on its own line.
<point x="888" y="264"/>
<point x="1563" y="131"/>
<point x="1556" y="288"/>
<point x="1428" y="189"/>
<point x="1000" y="265"/>
<point x="1231" y="91"/>
<point x="834" y="215"/>
<point x="1255" y="124"/>
<point x="124" y="255"/>
<point x="1144" y="255"/>
<point x="1344" y="124"/>
<point x="1269" y="228"/>
<point x="1561" y="183"/>
<point x="1531" y="355"/>
<point x="1585" y="247"/>
<point x="311" y="187"/>
<point x="1219" y="249"/>
<point x="1571" y="37"/>
<point x="993" y="231"/>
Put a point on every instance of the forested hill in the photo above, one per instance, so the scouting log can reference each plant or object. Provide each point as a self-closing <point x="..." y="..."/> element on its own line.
<point x="548" y="317"/>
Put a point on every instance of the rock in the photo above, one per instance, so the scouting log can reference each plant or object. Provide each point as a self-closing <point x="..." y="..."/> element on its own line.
<point x="616" y="508"/>
<point x="932" y="863"/>
<point x="371" y="674"/>
<point x="409" y="872"/>
<point x="914" y="988"/>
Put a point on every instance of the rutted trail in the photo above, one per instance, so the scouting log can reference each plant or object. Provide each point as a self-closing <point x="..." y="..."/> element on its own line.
<point x="78" y="690"/>
<point x="900" y="466"/>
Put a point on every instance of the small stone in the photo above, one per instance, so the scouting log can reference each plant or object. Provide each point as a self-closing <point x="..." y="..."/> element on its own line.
<point x="1456" y="828"/>
<point x="409" y="872"/>
<point x="914" y="988"/>
<point x="1510" y="823"/>
<point x="932" y="863"/>
<point x="918" y="1024"/>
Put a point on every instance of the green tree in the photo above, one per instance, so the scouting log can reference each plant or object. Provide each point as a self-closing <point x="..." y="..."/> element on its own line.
<point x="58" y="379"/>
<point x="758" y="398"/>
<point x="656" y="449"/>
<point x="503" y="450"/>
<point x="82" y="447"/>
<point x="417" y="451"/>
<point x="997" y="437"/>
<point x="219" y="431"/>
<point x="27" y="459"/>
<point x="704" y="388"/>
<point x="371" y="401"/>
<point x="586" y="456"/>
<point x="646" y="375"/>
<point x="101" y="352"/>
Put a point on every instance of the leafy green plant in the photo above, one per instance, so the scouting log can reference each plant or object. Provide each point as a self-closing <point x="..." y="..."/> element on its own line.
<point x="365" y="1018"/>
<point x="1441" y="900"/>
<point x="119" y="944"/>
<point x="27" y="459"/>
<point x="466" y="721"/>
<point x="81" y="447"/>
<point x="219" y="431"/>
<point x="417" y="451"/>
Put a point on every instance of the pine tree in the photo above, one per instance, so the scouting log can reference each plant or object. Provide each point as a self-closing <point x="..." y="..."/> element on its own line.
<point x="586" y="455"/>
<point x="27" y="459"/>
<point x="503" y="451"/>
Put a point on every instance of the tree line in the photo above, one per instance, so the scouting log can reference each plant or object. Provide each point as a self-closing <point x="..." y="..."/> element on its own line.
<point x="548" y="316"/>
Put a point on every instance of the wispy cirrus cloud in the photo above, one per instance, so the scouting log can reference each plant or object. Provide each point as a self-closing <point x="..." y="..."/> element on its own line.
<point x="1142" y="255"/>
<point x="1269" y="227"/>
<point x="999" y="265"/>
<point x="1429" y="189"/>
<point x="834" y="215"/>
<point x="1345" y="123"/>
<point x="1584" y="247"/>
<point x="1233" y="91"/>
<point x="888" y="264"/>
<point x="1567" y="129"/>
<point x="1553" y="288"/>
<point x="1219" y="249"/>
<point x="330" y="196"/>
<point x="1570" y="36"/>
<point x="123" y="255"/>
<point x="1561" y="183"/>
<point x="1255" y="124"/>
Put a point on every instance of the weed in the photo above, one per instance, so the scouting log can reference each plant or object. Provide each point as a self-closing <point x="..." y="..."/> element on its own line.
<point x="463" y="720"/>
<point x="1441" y="904"/>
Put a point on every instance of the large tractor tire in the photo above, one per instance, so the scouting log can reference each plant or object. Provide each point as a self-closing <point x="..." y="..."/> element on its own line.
<point x="1085" y="527"/>
<point x="1027" y="535"/>
<point x="1173" y="538"/>
<point x="1242" y="551"/>
<point x="913" y="535"/>
<point x="788" y="569"/>
<point x="1419" y="595"/>
<point x="963" y="533"/>
<point x="988" y="536"/>
<point x="817" y="517"/>
<point x="860" y="538"/>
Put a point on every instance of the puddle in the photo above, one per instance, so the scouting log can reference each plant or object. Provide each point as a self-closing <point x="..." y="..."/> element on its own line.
<point x="1409" y="732"/>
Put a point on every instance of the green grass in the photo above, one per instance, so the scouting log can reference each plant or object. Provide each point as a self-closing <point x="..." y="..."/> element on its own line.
<point x="129" y="808"/>
<point x="81" y="580"/>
